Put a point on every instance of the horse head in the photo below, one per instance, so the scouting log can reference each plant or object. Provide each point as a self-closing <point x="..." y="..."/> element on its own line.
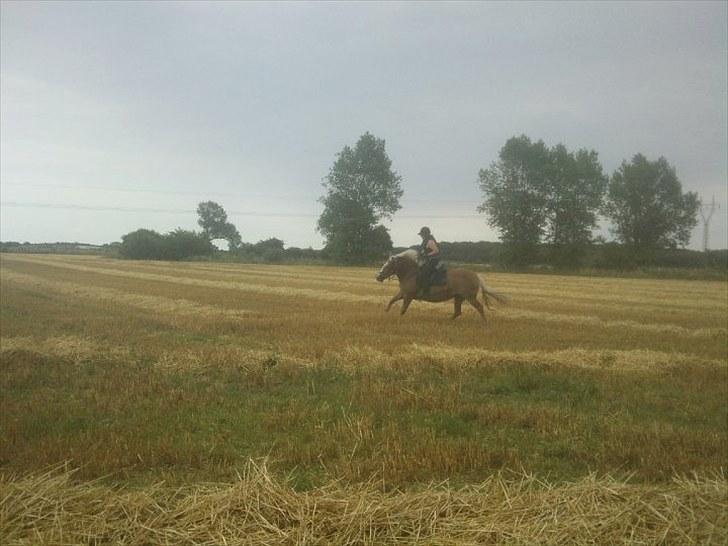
<point x="387" y="270"/>
<point x="395" y="263"/>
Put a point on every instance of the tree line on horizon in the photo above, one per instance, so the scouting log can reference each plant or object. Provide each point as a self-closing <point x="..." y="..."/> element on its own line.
<point x="537" y="197"/>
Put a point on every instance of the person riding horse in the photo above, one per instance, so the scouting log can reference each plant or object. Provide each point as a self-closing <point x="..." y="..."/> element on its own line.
<point x="429" y="253"/>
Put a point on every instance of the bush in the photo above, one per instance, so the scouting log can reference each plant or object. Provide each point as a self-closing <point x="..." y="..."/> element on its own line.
<point x="181" y="244"/>
<point x="146" y="244"/>
<point x="142" y="244"/>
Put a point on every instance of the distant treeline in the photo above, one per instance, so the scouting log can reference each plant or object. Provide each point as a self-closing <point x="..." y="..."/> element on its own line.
<point x="54" y="248"/>
<point x="186" y="245"/>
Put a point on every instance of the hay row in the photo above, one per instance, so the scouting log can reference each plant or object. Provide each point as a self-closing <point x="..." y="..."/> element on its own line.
<point x="597" y="322"/>
<point x="259" y="508"/>
<point x="74" y="348"/>
<point x="455" y="357"/>
<point x="361" y="358"/>
<point x="357" y="358"/>
<point x="158" y="304"/>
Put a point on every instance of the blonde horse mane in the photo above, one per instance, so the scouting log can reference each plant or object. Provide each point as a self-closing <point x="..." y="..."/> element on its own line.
<point x="410" y="253"/>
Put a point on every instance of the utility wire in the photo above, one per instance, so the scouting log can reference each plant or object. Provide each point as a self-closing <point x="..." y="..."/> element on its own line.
<point x="16" y="204"/>
<point x="201" y="193"/>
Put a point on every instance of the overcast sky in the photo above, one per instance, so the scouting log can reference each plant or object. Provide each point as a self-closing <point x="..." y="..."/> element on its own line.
<point x="117" y="116"/>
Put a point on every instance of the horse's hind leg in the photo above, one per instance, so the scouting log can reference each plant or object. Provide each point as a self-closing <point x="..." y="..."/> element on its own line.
<point x="458" y="307"/>
<point x="473" y="300"/>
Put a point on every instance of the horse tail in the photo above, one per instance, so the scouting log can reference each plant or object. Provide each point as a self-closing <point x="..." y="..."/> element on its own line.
<point x="500" y="298"/>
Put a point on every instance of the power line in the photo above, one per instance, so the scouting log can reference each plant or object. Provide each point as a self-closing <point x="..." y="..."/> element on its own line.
<point x="200" y="194"/>
<point x="137" y="209"/>
<point x="147" y="190"/>
<point x="16" y="204"/>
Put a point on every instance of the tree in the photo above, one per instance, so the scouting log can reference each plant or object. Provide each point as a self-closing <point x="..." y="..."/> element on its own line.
<point x="214" y="224"/>
<point x="271" y="250"/>
<point x="378" y="242"/>
<point x="534" y="193"/>
<point x="575" y="186"/>
<point x="515" y="189"/>
<point x="361" y="189"/>
<point x="180" y="244"/>
<point x="647" y="207"/>
<point x="142" y="244"/>
<point x="146" y="244"/>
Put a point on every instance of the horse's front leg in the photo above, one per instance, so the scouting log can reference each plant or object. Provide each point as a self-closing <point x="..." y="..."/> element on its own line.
<point x="458" y="307"/>
<point x="397" y="297"/>
<point x="405" y="304"/>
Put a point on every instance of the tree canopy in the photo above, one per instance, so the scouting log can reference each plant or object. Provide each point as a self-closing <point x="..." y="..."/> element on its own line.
<point x="214" y="224"/>
<point x="536" y="194"/>
<point x="575" y="189"/>
<point x="647" y="206"/>
<point x="515" y="191"/>
<point x="361" y="189"/>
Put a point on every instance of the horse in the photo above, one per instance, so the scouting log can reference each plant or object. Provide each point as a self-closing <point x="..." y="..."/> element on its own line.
<point x="462" y="285"/>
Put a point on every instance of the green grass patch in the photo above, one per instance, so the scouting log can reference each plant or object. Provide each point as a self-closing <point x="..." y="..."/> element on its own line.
<point x="129" y="419"/>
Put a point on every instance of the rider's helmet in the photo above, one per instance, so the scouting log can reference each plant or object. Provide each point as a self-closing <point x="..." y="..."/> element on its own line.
<point x="424" y="232"/>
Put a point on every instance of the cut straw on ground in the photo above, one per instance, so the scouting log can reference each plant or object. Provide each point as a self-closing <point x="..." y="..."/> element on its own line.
<point x="260" y="508"/>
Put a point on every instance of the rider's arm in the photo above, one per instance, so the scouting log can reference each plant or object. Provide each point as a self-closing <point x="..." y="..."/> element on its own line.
<point x="432" y="248"/>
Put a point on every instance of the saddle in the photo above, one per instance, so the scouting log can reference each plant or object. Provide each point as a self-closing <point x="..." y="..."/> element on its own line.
<point x="438" y="277"/>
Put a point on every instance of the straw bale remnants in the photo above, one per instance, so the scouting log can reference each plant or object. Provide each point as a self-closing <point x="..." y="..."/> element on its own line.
<point x="259" y="508"/>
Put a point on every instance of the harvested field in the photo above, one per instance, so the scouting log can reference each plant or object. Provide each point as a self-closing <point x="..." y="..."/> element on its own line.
<point x="247" y="404"/>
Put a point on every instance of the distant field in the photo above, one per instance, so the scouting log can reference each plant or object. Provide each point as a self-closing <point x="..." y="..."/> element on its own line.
<point x="280" y="404"/>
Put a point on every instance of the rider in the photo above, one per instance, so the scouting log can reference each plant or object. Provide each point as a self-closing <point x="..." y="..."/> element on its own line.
<point x="429" y="252"/>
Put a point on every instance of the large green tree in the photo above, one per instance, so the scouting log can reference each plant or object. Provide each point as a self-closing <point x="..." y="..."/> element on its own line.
<point x="515" y="190"/>
<point x="214" y="224"/>
<point x="536" y="194"/>
<point x="361" y="190"/>
<point x="576" y="186"/>
<point x="647" y="206"/>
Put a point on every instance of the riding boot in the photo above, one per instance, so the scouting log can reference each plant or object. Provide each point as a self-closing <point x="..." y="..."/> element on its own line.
<point x="424" y="290"/>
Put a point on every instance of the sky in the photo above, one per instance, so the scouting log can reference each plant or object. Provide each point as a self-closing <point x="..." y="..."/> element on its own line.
<point x="119" y="116"/>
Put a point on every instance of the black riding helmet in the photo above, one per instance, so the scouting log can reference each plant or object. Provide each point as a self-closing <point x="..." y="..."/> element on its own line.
<point x="425" y="232"/>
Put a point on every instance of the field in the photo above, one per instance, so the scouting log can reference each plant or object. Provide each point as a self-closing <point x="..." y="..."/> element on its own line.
<point x="200" y="403"/>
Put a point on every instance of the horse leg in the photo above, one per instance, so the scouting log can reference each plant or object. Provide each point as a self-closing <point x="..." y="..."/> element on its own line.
<point x="473" y="300"/>
<point x="405" y="305"/>
<point x="397" y="297"/>
<point x="458" y="307"/>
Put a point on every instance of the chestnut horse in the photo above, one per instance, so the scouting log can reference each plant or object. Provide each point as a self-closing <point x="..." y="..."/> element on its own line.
<point x="462" y="285"/>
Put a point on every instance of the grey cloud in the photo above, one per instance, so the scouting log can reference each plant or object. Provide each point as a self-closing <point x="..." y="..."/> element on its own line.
<point x="255" y="99"/>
